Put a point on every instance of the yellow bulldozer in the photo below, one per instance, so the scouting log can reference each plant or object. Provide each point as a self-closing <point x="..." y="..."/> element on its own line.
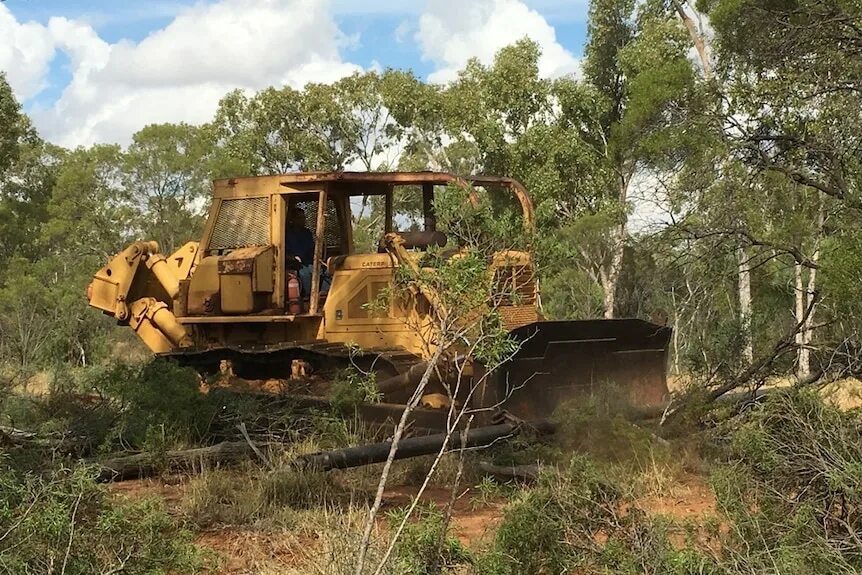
<point x="234" y="298"/>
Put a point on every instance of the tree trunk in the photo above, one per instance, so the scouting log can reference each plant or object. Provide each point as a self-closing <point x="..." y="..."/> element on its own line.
<point x="415" y="446"/>
<point x="147" y="464"/>
<point x="802" y="356"/>
<point x="676" y="368"/>
<point x="807" y="331"/>
<point x="805" y="299"/>
<point x="696" y="37"/>
<point x="611" y="275"/>
<point x="744" y="284"/>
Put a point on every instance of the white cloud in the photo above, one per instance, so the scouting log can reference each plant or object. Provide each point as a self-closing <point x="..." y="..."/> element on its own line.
<point x="402" y="31"/>
<point x="26" y="50"/>
<point x="179" y="73"/>
<point x="453" y="31"/>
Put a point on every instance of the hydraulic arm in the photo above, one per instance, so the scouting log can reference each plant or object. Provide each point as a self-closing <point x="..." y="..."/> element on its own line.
<point x="139" y="287"/>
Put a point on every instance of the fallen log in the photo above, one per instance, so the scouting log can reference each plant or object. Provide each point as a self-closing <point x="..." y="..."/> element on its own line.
<point x="416" y="446"/>
<point x="140" y="465"/>
<point x="11" y="437"/>
<point x="147" y="464"/>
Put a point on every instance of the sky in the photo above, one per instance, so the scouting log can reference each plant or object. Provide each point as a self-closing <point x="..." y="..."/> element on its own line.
<point x="89" y="71"/>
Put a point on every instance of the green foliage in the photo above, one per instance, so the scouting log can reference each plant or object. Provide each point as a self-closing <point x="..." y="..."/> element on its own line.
<point x="25" y="191"/>
<point x="600" y="425"/>
<point x="841" y="278"/>
<point x="66" y="522"/>
<point x="125" y="406"/>
<point x="577" y="519"/>
<point x="322" y="127"/>
<point x="352" y="387"/>
<point x="492" y="224"/>
<point x="463" y="289"/>
<point x="490" y="491"/>
<point x="89" y="212"/>
<point x="42" y="315"/>
<point x="159" y="395"/>
<point x="166" y="170"/>
<point x="12" y="124"/>
<point x="424" y="547"/>
<point x="572" y="294"/>
<point x="793" y="489"/>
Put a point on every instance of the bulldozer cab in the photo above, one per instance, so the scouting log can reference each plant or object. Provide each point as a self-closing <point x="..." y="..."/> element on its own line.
<point x="250" y="220"/>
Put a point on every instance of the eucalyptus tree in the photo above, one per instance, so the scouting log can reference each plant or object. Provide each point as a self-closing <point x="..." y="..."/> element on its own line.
<point x="25" y="191"/>
<point x="81" y="216"/>
<point x="90" y="214"/>
<point x="261" y="134"/>
<point x="12" y="124"/>
<point x="321" y="127"/>
<point x="636" y="61"/>
<point x="788" y="87"/>
<point x="165" y="172"/>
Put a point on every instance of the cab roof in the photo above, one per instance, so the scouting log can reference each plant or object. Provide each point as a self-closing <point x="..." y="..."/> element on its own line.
<point x="402" y="178"/>
<point x="359" y="183"/>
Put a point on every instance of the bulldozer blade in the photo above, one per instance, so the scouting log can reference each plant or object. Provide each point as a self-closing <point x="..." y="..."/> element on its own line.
<point x="560" y="360"/>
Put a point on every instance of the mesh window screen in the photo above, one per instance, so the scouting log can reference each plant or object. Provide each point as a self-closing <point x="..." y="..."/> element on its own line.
<point x="331" y="230"/>
<point x="241" y="222"/>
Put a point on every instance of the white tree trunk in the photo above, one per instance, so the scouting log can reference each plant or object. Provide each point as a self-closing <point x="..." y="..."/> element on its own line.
<point x="808" y="331"/>
<point x="610" y="276"/>
<point x="800" y="299"/>
<point x="697" y="37"/>
<point x="676" y="369"/>
<point x="744" y="284"/>
<point x="804" y="300"/>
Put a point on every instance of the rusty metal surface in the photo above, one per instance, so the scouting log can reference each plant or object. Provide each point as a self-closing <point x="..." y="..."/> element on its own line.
<point x="560" y="360"/>
<point x="241" y="260"/>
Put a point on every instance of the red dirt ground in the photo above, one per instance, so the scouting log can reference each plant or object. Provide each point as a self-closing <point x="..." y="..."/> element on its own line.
<point x="243" y="549"/>
<point x="690" y="497"/>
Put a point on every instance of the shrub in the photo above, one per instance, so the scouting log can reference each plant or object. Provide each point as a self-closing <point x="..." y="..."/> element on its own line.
<point x="160" y="393"/>
<point x="793" y="488"/>
<point x="352" y="387"/>
<point x="425" y="548"/>
<point x="65" y="522"/>
<point x="578" y="520"/>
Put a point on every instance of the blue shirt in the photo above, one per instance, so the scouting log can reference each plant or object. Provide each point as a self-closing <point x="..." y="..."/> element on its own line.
<point x="300" y="242"/>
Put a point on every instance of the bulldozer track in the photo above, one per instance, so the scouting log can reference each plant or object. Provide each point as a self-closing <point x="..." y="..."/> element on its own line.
<point x="274" y="361"/>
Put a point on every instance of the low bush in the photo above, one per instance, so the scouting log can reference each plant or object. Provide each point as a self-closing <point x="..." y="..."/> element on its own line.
<point x="160" y="393"/>
<point x="64" y="522"/>
<point x="792" y="487"/>
<point x="425" y="546"/>
<point x="579" y="520"/>
<point x="117" y="407"/>
<point x="601" y="425"/>
<point x="353" y="387"/>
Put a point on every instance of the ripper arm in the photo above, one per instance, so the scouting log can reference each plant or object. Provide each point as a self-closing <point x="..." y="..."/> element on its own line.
<point x="139" y="286"/>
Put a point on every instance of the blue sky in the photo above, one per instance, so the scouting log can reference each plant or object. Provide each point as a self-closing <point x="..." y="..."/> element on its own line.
<point x="89" y="70"/>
